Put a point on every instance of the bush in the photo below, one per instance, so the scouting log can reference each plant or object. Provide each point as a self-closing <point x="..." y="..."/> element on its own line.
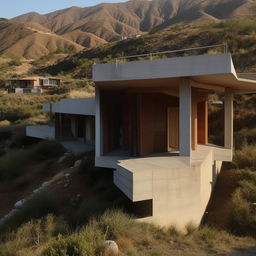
<point x="16" y="61"/>
<point x="90" y="241"/>
<point x="114" y="223"/>
<point x="4" y="123"/>
<point x="245" y="157"/>
<point x="242" y="219"/>
<point x="69" y="246"/>
<point x="245" y="136"/>
<point x="32" y="234"/>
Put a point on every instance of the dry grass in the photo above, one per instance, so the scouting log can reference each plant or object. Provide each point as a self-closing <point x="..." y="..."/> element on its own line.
<point x="245" y="157"/>
<point x="25" y="108"/>
<point x="51" y="237"/>
<point x="81" y="94"/>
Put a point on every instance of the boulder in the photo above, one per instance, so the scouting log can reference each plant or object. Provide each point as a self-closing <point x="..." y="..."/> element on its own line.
<point x="77" y="163"/>
<point x="19" y="203"/>
<point x="61" y="159"/>
<point x="111" y="248"/>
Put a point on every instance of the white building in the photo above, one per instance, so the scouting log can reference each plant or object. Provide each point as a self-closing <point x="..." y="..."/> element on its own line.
<point x="73" y="124"/>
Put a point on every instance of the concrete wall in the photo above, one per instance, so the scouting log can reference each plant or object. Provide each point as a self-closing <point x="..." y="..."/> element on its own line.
<point x="41" y="132"/>
<point x="73" y="106"/>
<point x="180" y="192"/>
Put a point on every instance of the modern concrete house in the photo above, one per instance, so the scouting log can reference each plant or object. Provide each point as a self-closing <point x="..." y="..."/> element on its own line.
<point x="73" y="124"/>
<point x="152" y="129"/>
<point x="34" y="84"/>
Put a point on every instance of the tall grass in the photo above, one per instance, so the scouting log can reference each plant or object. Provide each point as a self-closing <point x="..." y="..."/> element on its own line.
<point x="242" y="219"/>
<point x="32" y="234"/>
<point x="50" y="236"/>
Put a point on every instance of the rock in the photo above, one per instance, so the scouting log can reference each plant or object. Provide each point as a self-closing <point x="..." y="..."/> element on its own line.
<point x="10" y="214"/>
<point x="111" y="248"/>
<point x="77" y="163"/>
<point x="61" y="159"/>
<point x="45" y="184"/>
<point x="20" y="203"/>
<point x="67" y="174"/>
<point x="37" y="190"/>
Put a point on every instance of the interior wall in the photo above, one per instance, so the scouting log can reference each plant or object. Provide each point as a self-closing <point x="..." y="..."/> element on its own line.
<point x="202" y="108"/>
<point x="153" y="122"/>
<point x="136" y="122"/>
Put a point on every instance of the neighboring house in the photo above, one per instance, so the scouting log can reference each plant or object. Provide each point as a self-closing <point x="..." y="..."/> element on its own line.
<point x="31" y="84"/>
<point x="73" y="124"/>
<point x="152" y="128"/>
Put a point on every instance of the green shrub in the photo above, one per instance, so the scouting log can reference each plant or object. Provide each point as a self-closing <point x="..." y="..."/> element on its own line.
<point x="242" y="219"/>
<point x="115" y="223"/>
<point x="16" y="61"/>
<point x="4" y="123"/>
<point x="173" y="231"/>
<point x="190" y="228"/>
<point x="245" y="136"/>
<point x="32" y="234"/>
<point x="245" y="157"/>
<point x="90" y="241"/>
<point x="69" y="246"/>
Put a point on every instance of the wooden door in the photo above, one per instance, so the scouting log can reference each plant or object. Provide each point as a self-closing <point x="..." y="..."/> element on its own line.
<point x="173" y="128"/>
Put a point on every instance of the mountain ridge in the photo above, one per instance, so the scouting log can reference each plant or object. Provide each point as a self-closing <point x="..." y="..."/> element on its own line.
<point x="108" y="22"/>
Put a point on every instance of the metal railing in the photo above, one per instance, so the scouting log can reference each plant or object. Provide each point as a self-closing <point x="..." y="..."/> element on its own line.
<point x="151" y="56"/>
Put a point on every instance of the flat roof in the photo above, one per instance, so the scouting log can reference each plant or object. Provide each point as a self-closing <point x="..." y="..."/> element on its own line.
<point x="80" y="106"/>
<point x="213" y="71"/>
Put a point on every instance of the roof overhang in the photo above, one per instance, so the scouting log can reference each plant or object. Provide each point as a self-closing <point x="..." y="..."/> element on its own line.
<point x="214" y="72"/>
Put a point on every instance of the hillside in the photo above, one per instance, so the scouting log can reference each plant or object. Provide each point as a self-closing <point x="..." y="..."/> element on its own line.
<point x="31" y="40"/>
<point x="239" y="34"/>
<point x="111" y="21"/>
<point x="92" y="26"/>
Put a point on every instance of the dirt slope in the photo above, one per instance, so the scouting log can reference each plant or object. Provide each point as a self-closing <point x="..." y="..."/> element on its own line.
<point x="110" y="21"/>
<point x="30" y="40"/>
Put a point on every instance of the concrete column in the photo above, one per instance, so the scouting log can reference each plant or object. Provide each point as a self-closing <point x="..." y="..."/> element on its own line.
<point x="228" y="118"/>
<point x="98" y="126"/>
<point x="185" y="118"/>
<point x="88" y="128"/>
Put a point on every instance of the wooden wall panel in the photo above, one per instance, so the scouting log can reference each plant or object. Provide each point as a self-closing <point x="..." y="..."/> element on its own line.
<point x="194" y="120"/>
<point x="173" y="128"/>
<point x="153" y="122"/>
<point x="202" y="109"/>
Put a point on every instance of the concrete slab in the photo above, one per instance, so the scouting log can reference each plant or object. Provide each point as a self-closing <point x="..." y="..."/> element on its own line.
<point x="77" y="147"/>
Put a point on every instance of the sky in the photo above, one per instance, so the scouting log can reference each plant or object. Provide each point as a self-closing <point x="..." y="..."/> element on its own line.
<point x="12" y="8"/>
